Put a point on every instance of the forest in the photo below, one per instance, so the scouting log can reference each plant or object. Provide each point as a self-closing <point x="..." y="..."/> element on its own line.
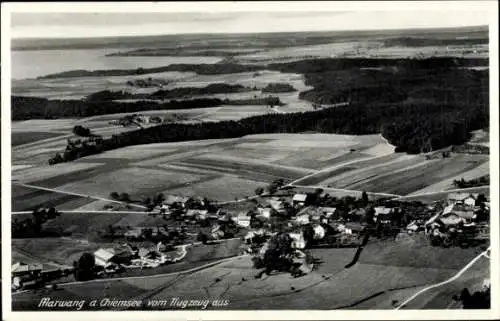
<point x="412" y="128"/>
<point x="105" y="102"/>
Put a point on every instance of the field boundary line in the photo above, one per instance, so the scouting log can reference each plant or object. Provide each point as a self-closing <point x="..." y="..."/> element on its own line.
<point x="89" y="212"/>
<point x="335" y="167"/>
<point x="326" y="188"/>
<point x="453" y="278"/>
<point x="458" y="190"/>
<point x="75" y="194"/>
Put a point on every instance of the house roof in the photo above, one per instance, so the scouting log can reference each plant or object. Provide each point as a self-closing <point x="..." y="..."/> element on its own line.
<point x="172" y="199"/>
<point x="380" y="210"/>
<point x="196" y="212"/>
<point x="20" y="267"/>
<point x="104" y="254"/>
<point x="457" y="210"/>
<point x="299" y="197"/>
<point x="462" y="196"/>
<point x="327" y="209"/>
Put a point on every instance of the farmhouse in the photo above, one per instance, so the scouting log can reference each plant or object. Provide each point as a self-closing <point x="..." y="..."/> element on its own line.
<point x="198" y="214"/>
<point x="300" y="199"/>
<point x="383" y="214"/>
<point x="327" y="211"/>
<point x="105" y="257"/>
<point x="455" y="213"/>
<point x="25" y="274"/>
<point x="176" y="201"/>
<point x="242" y="220"/>
<point x="20" y="268"/>
<point x="265" y="212"/>
<point x="468" y="199"/>
<point x="302" y="219"/>
<point x="298" y="241"/>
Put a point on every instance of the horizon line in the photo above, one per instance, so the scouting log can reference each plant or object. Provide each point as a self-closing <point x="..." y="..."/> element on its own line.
<point x="486" y="26"/>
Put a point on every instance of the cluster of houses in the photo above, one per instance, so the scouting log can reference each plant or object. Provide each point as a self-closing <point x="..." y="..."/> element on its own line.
<point x="26" y="275"/>
<point x="300" y="216"/>
<point x="137" y="119"/>
<point x="112" y="260"/>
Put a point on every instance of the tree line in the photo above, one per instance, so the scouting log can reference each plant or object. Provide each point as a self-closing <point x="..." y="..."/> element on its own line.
<point x="411" y="128"/>
<point x="24" y="108"/>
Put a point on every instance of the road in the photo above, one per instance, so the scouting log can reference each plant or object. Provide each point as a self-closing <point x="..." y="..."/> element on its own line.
<point x="89" y="212"/>
<point x="76" y="194"/>
<point x="453" y="278"/>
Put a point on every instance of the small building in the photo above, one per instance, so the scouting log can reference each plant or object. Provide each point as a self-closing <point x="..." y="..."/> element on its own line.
<point x="265" y="212"/>
<point x="302" y="219"/>
<point x="319" y="232"/>
<point x="383" y="214"/>
<point x="300" y="199"/>
<point x="327" y="211"/>
<point x="298" y="241"/>
<point x="176" y="201"/>
<point x="455" y="213"/>
<point x="197" y="214"/>
<point x="242" y="220"/>
<point x="21" y="269"/>
<point x="104" y="257"/>
<point x="468" y="199"/>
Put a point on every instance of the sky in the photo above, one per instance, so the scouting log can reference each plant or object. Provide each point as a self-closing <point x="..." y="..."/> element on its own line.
<point x="238" y="19"/>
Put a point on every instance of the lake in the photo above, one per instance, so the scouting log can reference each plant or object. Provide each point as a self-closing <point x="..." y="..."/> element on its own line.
<point x="34" y="63"/>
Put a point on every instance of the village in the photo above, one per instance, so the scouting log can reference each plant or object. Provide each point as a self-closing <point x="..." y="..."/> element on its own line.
<point x="277" y="227"/>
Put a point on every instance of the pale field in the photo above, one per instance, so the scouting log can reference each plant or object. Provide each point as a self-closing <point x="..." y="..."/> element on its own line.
<point x="132" y="180"/>
<point x="79" y="87"/>
<point x="138" y="152"/>
<point x="413" y="178"/>
<point x="360" y="172"/>
<point x="33" y="174"/>
<point x="42" y="125"/>
<point x="481" y="170"/>
<point x="322" y="50"/>
<point x="360" y="49"/>
<point x="225" y="188"/>
<point x="248" y="161"/>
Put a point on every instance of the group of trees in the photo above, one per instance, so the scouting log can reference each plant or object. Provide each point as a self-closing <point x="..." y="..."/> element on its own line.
<point x="278" y="88"/>
<point x="85" y="267"/>
<point x="202" y="69"/>
<point x="79" y="130"/>
<point x="32" y="227"/>
<point x="481" y="181"/>
<point x="122" y="197"/>
<point x="107" y="102"/>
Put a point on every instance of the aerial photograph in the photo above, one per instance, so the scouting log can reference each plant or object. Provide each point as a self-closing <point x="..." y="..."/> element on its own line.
<point x="250" y="160"/>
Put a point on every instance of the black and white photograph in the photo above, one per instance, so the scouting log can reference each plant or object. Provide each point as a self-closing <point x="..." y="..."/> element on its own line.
<point x="244" y="156"/>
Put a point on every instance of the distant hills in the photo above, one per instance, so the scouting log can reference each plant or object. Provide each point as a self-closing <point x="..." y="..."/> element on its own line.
<point x="235" y="41"/>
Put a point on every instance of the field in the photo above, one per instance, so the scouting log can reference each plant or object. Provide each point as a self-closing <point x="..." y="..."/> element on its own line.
<point x="233" y="168"/>
<point x="401" y="174"/>
<point x="21" y="138"/>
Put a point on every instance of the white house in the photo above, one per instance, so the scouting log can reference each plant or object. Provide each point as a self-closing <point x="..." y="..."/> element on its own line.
<point x="327" y="211"/>
<point x="242" y="220"/>
<point x="302" y="219"/>
<point x="299" y="199"/>
<point x="265" y="212"/>
<point x="103" y="257"/>
<point x="468" y="199"/>
<point x="298" y="241"/>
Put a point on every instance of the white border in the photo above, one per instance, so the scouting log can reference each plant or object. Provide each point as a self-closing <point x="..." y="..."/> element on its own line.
<point x="491" y="6"/>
